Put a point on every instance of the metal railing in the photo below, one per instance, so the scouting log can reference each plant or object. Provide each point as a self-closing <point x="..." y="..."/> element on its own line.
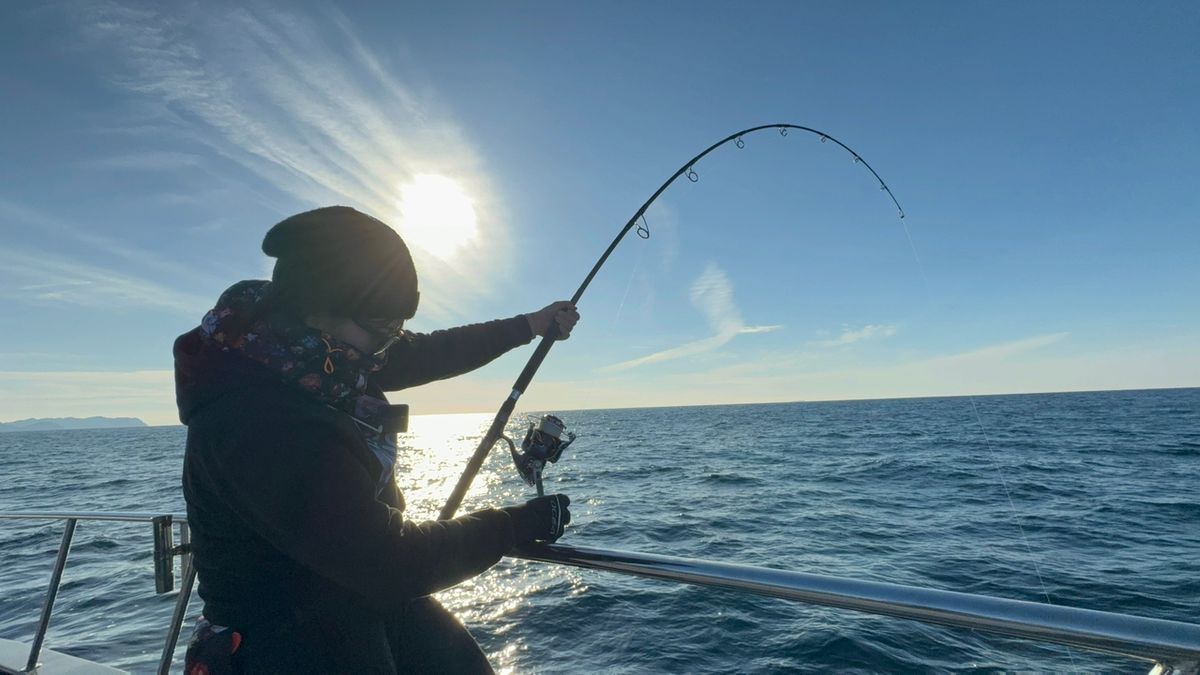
<point x="1173" y="646"/>
<point x="1170" y="643"/>
<point x="165" y="552"/>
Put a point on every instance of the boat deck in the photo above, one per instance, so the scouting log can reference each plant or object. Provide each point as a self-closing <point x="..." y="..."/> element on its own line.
<point x="13" y="656"/>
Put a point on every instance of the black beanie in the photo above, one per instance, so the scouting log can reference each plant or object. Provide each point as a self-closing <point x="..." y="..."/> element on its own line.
<point x="339" y="261"/>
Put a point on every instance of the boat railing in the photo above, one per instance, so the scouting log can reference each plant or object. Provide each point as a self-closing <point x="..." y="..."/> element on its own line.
<point x="165" y="552"/>
<point x="1172" y="646"/>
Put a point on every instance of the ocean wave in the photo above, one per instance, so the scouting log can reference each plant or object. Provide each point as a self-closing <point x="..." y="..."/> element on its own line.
<point x="902" y="491"/>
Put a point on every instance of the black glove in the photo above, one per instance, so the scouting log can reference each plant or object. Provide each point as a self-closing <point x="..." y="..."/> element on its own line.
<point x="541" y="519"/>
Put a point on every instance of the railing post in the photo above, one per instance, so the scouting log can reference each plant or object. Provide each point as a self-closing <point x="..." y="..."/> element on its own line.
<point x="185" y="548"/>
<point x="51" y="593"/>
<point x="164" y="559"/>
<point x="181" y="605"/>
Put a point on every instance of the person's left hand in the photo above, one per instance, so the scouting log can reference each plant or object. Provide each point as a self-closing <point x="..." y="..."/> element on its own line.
<point x="562" y="315"/>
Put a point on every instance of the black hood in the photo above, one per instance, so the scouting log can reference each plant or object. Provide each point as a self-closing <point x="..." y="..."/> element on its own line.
<point x="204" y="373"/>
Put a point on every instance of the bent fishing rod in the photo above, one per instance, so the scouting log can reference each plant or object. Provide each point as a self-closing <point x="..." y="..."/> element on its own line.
<point x="496" y="430"/>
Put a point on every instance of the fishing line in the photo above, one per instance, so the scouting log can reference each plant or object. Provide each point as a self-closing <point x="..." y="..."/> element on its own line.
<point x="496" y="430"/>
<point x="1013" y="514"/>
<point x="1007" y="493"/>
<point x="637" y="267"/>
<point x="916" y="256"/>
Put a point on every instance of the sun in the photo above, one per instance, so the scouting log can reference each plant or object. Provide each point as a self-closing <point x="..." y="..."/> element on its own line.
<point x="436" y="215"/>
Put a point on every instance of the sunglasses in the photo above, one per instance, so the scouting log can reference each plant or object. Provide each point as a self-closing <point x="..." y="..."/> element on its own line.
<point x="390" y="331"/>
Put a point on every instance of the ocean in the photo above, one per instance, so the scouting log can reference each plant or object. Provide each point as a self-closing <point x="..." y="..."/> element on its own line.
<point x="1087" y="498"/>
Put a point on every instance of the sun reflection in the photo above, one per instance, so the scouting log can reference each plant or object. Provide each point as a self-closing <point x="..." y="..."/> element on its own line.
<point x="436" y="215"/>
<point x="432" y="456"/>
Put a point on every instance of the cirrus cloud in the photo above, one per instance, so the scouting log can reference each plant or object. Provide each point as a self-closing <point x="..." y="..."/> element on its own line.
<point x="712" y="294"/>
<point x="849" y="335"/>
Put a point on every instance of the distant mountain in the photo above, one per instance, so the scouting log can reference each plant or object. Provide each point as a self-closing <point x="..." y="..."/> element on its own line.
<point x="60" y="423"/>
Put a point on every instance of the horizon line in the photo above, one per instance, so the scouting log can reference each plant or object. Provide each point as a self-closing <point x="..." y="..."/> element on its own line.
<point x="722" y="405"/>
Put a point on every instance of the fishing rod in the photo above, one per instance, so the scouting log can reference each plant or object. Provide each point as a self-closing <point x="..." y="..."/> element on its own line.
<point x="496" y="430"/>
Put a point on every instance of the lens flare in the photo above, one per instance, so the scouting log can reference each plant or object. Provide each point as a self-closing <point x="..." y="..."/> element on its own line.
<point x="436" y="215"/>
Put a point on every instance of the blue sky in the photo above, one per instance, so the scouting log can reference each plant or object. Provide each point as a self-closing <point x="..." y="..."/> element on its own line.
<point x="1045" y="154"/>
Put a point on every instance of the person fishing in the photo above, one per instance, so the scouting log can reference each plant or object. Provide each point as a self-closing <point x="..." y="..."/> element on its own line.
<point x="304" y="558"/>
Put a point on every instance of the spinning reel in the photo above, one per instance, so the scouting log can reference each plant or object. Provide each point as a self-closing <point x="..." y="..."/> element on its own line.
<point x="544" y="442"/>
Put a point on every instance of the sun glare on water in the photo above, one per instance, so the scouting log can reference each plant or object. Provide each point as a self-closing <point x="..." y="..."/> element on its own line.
<point x="436" y="215"/>
<point x="432" y="455"/>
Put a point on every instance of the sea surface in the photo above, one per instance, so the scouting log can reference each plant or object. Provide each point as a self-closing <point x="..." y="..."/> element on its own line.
<point x="1089" y="499"/>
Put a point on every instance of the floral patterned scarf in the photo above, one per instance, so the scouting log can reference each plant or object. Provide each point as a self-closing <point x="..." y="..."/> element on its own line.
<point x="304" y="357"/>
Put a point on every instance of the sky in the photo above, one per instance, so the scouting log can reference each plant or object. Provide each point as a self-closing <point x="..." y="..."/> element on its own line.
<point x="1044" y="155"/>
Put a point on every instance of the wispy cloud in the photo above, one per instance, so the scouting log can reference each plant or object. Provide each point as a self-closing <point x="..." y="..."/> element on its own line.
<point x="42" y="360"/>
<point x="299" y="100"/>
<point x="144" y="161"/>
<point x="37" y="274"/>
<point x="1022" y="365"/>
<point x="851" y="335"/>
<point x="999" y="352"/>
<point x="34" y="276"/>
<point x="783" y="366"/>
<point x="712" y="294"/>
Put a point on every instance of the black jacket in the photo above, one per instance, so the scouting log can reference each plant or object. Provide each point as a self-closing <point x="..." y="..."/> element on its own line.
<point x="281" y="490"/>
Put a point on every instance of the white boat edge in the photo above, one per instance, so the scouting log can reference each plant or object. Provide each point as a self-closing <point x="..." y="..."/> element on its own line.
<point x="14" y="655"/>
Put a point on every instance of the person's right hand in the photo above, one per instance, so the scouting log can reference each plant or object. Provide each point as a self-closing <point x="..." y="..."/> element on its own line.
<point x="561" y="316"/>
<point x="542" y="519"/>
